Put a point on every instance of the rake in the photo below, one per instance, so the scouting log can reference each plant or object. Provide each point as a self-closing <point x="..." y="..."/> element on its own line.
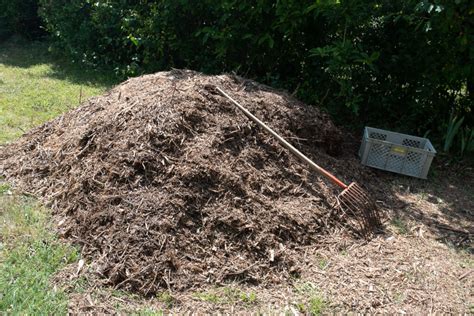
<point x="353" y="200"/>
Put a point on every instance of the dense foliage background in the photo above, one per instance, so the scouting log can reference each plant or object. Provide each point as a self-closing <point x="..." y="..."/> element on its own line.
<point x="20" y="17"/>
<point x="403" y="65"/>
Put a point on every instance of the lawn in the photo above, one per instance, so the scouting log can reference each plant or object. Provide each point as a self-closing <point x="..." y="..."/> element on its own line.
<point x="33" y="89"/>
<point x="30" y="256"/>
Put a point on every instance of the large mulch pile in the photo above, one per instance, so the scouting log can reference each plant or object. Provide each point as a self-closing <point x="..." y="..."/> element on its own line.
<point x="164" y="183"/>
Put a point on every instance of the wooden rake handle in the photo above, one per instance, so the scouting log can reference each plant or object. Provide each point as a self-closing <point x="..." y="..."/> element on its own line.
<point x="286" y="144"/>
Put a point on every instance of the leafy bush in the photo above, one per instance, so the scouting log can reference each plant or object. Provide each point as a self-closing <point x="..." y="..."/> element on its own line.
<point x="20" y="17"/>
<point x="403" y="65"/>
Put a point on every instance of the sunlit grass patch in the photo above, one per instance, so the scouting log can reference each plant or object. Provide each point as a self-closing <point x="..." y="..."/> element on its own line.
<point x="30" y="255"/>
<point x="35" y="87"/>
<point x="312" y="301"/>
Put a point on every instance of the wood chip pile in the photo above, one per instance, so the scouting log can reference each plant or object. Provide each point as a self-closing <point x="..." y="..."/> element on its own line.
<point x="165" y="184"/>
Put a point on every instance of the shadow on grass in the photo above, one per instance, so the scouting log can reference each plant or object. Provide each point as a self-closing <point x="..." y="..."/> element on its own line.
<point x="19" y="52"/>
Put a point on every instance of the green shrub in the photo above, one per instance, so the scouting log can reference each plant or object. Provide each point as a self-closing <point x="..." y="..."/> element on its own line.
<point x="402" y="65"/>
<point x="20" y="17"/>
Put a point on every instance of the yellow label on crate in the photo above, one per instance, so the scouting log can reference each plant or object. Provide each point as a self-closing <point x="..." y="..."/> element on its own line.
<point x="399" y="150"/>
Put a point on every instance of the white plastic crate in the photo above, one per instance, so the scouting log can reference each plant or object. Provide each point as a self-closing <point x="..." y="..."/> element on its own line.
<point x="400" y="153"/>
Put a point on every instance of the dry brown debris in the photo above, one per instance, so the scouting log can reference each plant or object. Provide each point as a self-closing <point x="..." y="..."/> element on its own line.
<point x="165" y="185"/>
<point x="169" y="189"/>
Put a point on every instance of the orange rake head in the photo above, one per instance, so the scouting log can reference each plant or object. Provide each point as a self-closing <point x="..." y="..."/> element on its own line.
<point x="361" y="208"/>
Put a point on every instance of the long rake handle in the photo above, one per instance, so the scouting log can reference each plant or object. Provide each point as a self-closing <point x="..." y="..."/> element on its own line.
<point x="286" y="144"/>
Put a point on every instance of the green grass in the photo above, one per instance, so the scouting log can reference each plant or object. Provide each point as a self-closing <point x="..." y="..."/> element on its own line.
<point x="30" y="255"/>
<point x="312" y="302"/>
<point x="208" y="297"/>
<point x="34" y="87"/>
<point x="323" y="263"/>
<point x="4" y="188"/>
<point x="166" y="298"/>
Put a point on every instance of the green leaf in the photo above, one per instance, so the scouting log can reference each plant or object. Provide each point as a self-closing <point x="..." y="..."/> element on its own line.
<point x="133" y="39"/>
<point x="320" y="51"/>
<point x="266" y="38"/>
<point x="453" y="129"/>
